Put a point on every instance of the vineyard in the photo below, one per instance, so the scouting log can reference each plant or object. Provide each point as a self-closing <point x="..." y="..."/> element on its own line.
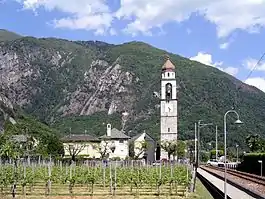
<point x="90" y="180"/>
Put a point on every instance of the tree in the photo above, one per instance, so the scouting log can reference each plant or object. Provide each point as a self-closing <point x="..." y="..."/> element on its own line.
<point x="213" y="152"/>
<point x="181" y="146"/>
<point x="105" y="148"/>
<point x="14" y="146"/>
<point x="74" y="149"/>
<point x="170" y="147"/>
<point x="41" y="139"/>
<point x="255" y="143"/>
<point x="191" y="149"/>
<point x="137" y="149"/>
<point x="11" y="150"/>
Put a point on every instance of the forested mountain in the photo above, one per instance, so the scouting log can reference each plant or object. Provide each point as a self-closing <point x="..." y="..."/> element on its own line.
<point x="82" y="85"/>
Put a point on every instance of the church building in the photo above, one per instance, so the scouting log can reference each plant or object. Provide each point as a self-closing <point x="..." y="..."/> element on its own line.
<point x="168" y="105"/>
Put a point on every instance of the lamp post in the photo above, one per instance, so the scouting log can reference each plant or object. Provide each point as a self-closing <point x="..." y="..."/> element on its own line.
<point x="236" y="122"/>
<point x="237" y="153"/>
<point x="260" y="161"/>
<point x="216" y="140"/>
<point x="199" y="139"/>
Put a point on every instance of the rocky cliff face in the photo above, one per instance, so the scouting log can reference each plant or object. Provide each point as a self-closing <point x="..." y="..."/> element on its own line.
<point x="37" y="76"/>
<point x="83" y="85"/>
<point x="6" y="111"/>
<point x="105" y="88"/>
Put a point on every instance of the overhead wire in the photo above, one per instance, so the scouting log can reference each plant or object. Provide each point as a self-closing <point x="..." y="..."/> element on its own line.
<point x="255" y="66"/>
<point x="249" y="74"/>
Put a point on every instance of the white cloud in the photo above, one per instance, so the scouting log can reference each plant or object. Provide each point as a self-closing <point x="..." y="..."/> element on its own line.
<point x="230" y="70"/>
<point x="144" y="15"/>
<point x="82" y="14"/>
<point x="224" y="45"/>
<point x="206" y="58"/>
<point x="113" y="31"/>
<point x="250" y="63"/>
<point x="258" y="82"/>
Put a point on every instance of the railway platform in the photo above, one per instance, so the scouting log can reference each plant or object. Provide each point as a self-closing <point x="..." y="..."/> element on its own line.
<point x="217" y="183"/>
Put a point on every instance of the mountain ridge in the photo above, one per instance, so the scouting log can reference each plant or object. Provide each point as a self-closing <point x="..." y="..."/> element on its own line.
<point x="6" y="35"/>
<point x="82" y="85"/>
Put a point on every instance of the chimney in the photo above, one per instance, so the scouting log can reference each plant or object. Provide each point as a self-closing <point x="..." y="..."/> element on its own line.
<point x="108" y="130"/>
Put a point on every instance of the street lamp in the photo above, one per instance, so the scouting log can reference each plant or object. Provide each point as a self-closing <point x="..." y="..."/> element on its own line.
<point x="260" y="161"/>
<point x="236" y="122"/>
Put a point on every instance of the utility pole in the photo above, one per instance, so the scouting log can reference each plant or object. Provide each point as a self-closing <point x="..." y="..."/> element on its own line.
<point x="199" y="140"/>
<point x="195" y="144"/>
<point x="216" y="140"/>
<point x="200" y="124"/>
<point x="195" y="165"/>
<point x="237" y="153"/>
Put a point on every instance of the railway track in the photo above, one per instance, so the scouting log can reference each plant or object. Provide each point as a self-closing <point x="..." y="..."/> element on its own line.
<point x="244" y="175"/>
<point x="250" y="183"/>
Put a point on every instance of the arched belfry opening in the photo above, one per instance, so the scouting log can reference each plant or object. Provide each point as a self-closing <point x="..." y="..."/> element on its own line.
<point x="158" y="152"/>
<point x="168" y="92"/>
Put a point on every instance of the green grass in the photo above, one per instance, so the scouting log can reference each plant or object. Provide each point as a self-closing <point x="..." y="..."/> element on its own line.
<point x="200" y="192"/>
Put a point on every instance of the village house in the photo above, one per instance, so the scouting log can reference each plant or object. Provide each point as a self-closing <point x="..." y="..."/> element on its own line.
<point x="144" y="147"/>
<point x="116" y="143"/>
<point x="83" y="145"/>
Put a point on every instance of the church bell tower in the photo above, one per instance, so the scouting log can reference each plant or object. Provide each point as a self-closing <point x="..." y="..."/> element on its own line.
<point x="168" y="105"/>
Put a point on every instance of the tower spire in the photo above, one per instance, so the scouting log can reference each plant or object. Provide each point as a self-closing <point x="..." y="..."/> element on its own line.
<point x="167" y="57"/>
<point x="168" y="65"/>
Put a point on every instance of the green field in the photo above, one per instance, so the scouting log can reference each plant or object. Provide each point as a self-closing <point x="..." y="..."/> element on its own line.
<point x="169" y="181"/>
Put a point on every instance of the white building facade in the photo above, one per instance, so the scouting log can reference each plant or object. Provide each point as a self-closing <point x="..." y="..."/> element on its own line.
<point x="116" y="143"/>
<point x="81" y="145"/>
<point x="149" y="152"/>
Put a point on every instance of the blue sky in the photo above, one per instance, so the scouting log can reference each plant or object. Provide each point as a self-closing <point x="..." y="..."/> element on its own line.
<point x="229" y="35"/>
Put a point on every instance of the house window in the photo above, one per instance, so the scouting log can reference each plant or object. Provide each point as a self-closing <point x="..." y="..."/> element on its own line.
<point x="120" y="141"/>
<point x="168" y="129"/>
<point x="71" y="146"/>
<point x="168" y="74"/>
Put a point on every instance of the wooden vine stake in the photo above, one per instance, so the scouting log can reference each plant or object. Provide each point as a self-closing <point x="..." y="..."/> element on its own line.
<point x="110" y="175"/>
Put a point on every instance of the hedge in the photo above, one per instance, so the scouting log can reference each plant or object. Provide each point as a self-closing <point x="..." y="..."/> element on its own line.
<point x="250" y="163"/>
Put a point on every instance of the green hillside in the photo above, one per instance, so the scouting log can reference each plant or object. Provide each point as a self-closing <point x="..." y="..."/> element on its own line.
<point x="205" y="93"/>
<point x="8" y="36"/>
<point x="24" y="125"/>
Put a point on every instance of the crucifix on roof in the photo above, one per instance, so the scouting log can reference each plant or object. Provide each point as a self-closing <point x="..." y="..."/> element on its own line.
<point x="167" y="56"/>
